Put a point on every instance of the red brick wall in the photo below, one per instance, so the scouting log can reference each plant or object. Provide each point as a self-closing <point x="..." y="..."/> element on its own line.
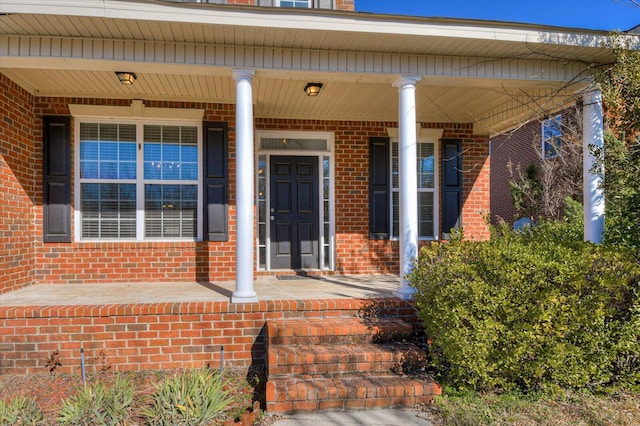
<point x="19" y="165"/>
<point x="345" y="5"/>
<point x="476" y="171"/>
<point x="518" y="148"/>
<point x="161" y="335"/>
<point x="214" y="261"/>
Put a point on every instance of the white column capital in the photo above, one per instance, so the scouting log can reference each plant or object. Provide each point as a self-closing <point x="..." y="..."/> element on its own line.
<point x="406" y="81"/>
<point x="592" y="97"/>
<point x="243" y="74"/>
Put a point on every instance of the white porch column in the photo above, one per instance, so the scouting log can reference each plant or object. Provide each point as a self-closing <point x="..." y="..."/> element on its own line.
<point x="593" y="193"/>
<point x="244" y="188"/>
<point x="408" y="181"/>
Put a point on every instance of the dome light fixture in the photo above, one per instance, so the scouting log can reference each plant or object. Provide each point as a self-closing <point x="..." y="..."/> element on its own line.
<point x="312" y="89"/>
<point x="126" y="77"/>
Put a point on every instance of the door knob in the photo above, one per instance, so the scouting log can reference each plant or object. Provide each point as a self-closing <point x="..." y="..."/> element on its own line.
<point x="272" y="217"/>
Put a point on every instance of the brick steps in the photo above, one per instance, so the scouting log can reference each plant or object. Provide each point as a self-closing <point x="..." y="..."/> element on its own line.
<point x="341" y="363"/>
<point x="335" y="359"/>
<point x="336" y="330"/>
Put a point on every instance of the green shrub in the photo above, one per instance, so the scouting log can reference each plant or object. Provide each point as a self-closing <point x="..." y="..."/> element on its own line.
<point x="529" y="311"/>
<point x="191" y="398"/>
<point x="99" y="404"/>
<point x="21" y="410"/>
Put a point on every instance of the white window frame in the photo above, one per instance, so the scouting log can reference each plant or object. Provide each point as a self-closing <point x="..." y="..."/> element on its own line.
<point x="309" y="3"/>
<point x="140" y="181"/>
<point x="434" y="190"/>
<point x="329" y="152"/>
<point x="550" y="140"/>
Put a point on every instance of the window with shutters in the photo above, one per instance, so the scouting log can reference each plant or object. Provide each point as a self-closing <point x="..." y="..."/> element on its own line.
<point x="138" y="181"/>
<point x="426" y="169"/>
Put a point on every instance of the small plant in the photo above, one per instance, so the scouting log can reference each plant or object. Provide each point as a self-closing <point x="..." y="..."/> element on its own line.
<point x="103" y="365"/>
<point x="99" y="404"/>
<point x="21" y="410"/>
<point x="191" y="398"/>
<point x="53" y="361"/>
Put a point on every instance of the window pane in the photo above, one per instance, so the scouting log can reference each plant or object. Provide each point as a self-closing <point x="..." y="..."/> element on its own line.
<point x="108" y="210"/>
<point x="426" y="165"/>
<point x="425" y="214"/>
<point x="102" y="153"/>
<point x="170" y="153"/>
<point x="395" y="223"/>
<point x="551" y="136"/>
<point x="170" y="211"/>
<point x="294" y="3"/>
<point x="394" y="165"/>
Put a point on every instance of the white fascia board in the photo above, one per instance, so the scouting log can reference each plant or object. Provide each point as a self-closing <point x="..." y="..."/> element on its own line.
<point x="305" y="20"/>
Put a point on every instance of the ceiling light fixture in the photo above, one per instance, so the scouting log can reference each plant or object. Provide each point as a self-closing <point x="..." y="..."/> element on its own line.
<point x="126" y="77"/>
<point x="312" y="89"/>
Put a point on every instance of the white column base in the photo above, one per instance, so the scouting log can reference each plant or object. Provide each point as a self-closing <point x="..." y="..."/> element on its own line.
<point x="244" y="297"/>
<point x="405" y="292"/>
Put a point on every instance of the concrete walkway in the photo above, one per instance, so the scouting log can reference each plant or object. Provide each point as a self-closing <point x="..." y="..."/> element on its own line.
<point x="373" y="417"/>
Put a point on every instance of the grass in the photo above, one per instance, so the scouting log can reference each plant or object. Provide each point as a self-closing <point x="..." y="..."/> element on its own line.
<point x="569" y="408"/>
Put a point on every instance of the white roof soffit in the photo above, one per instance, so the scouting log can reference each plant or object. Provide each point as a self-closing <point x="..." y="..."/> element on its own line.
<point x="492" y="74"/>
<point x="358" y="24"/>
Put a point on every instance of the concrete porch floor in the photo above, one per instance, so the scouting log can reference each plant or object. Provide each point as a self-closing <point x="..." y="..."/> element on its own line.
<point x="267" y="288"/>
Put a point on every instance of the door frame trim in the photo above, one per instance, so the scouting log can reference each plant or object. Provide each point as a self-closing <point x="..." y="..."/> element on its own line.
<point x="330" y="153"/>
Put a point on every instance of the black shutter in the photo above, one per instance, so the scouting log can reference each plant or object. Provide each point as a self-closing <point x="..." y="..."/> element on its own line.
<point x="216" y="178"/>
<point x="451" y="186"/>
<point x="56" y="163"/>
<point x="379" y="188"/>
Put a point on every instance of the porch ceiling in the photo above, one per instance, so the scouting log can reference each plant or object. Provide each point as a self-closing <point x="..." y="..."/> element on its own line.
<point x="494" y="75"/>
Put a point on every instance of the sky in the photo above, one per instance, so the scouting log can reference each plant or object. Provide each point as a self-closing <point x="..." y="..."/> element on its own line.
<point x="589" y="14"/>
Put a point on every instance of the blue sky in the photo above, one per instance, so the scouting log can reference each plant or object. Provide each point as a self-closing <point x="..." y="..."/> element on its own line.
<point x="590" y="14"/>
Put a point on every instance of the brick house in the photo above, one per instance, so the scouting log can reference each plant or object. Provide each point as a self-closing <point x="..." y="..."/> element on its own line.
<point x="158" y="141"/>
<point x="534" y="142"/>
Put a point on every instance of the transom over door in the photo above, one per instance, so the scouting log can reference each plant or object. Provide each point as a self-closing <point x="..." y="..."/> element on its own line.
<point x="294" y="212"/>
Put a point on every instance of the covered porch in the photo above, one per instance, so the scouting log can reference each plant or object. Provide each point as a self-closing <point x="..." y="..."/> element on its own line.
<point x="449" y="84"/>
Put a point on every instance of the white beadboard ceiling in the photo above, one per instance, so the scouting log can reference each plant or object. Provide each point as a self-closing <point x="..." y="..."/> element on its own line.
<point x="492" y="103"/>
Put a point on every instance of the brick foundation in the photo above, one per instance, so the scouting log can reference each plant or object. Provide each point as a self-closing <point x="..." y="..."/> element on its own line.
<point x="162" y="335"/>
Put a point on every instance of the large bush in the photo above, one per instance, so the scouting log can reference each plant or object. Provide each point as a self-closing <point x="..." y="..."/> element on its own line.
<point x="533" y="310"/>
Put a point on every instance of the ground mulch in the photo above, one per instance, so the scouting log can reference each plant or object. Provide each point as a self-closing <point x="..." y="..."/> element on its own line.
<point x="50" y="390"/>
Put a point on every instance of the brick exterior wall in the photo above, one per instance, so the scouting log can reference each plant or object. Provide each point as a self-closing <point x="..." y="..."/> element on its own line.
<point x="519" y="148"/>
<point x="161" y="335"/>
<point x="95" y="262"/>
<point x="19" y="166"/>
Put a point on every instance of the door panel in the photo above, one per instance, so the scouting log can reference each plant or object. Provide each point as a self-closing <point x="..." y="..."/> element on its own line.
<point x="294" y="211"/>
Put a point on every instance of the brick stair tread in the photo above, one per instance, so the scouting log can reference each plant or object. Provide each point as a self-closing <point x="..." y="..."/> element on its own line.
<point x="335" y="330"/>
<point x="308" y="393"/>
<point x="340" y="359"/>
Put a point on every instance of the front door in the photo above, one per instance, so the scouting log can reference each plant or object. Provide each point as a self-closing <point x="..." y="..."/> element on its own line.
<point x="294" y="212"/>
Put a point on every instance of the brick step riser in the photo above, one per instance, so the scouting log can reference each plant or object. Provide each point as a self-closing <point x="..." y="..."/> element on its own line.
<point x="291" y="361"/>
<point x="325" y="394"/>
<point x="295" y="332"/>
<point x="335" y="340"/>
